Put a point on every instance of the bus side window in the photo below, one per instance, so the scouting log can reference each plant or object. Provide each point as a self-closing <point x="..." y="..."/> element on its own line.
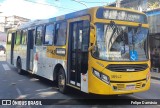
<point x="60" y="35"/>
<point x="38" y="38"/>
<point x="24" y="37"/>
<point x="9" y="37"/>
<point x="18" y="38"/>
<point x="49" y="33"/>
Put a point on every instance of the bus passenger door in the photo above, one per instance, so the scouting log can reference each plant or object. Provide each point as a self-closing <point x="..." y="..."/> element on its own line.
<point x="78" y="51"/>
<point x="30" y="49"/>
<point x="12" y="48"/>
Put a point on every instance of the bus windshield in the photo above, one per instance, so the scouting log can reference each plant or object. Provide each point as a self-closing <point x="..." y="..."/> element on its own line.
<point x="121" y="43"/>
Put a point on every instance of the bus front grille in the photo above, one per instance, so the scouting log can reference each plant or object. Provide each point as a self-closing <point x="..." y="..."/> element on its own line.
<point x="127" y="67"/>
<point x="123" y="86"/>
<point x="138" y="85"/>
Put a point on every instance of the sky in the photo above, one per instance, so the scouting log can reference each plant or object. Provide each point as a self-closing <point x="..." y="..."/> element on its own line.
<point x="43" y="9"/>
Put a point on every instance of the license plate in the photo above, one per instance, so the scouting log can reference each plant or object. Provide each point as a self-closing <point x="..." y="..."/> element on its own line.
<point x="130" y="87"/>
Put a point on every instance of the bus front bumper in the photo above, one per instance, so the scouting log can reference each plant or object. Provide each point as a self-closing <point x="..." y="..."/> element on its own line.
<point x="96" y="86"/>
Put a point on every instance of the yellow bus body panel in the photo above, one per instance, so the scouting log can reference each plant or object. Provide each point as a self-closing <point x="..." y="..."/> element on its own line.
<point x="98" y="86"/>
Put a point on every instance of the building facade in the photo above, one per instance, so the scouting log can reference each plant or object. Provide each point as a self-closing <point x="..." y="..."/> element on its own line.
<point x="154" y="21"/>
<point x="141" y="5"/>
<point x="8" y="22"/>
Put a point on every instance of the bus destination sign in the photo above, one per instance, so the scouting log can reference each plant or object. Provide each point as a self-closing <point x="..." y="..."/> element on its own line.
<point x="121" y="15"/>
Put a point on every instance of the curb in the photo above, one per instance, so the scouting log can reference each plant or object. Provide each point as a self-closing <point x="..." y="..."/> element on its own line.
<point x="155" y="78"/>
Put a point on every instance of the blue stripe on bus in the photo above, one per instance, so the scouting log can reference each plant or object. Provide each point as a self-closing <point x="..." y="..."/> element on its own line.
<point x="70" y="15"/>
<point x="151" y="13"/>
<point x="52" y="19"/>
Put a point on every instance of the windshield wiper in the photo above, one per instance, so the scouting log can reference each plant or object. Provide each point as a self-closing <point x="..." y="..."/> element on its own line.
<point x="114" y="28"/>
<point x="117" y="30"/>
<point x="134" y="34"/>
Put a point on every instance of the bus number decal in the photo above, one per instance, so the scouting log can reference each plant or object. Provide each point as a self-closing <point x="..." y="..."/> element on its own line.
<point x="51" y="51"/>
<point x="116" y="76"/>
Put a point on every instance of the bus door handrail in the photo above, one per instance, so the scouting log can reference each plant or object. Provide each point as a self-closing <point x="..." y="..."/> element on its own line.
<point x="93" y="36"/>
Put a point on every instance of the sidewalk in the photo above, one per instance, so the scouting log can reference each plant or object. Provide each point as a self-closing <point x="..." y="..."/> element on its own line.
<point x="155" y="75"/>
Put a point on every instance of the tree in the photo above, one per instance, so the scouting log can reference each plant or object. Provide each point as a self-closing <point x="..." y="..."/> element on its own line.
<point x="153" y="4"/>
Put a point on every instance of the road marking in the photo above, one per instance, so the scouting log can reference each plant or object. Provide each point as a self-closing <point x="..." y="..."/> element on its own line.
<point x="40" y="90"/>
<point x="6" y="67"/>
<point x="19" y="92"/>
<point x="135" y="97"/>
<point x="155" y="81"/>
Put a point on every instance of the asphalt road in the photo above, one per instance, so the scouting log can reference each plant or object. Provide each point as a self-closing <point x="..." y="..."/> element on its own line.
<point x="15" y="86"/>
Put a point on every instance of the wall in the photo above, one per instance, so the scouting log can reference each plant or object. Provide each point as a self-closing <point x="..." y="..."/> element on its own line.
<point x="154" y="21"/>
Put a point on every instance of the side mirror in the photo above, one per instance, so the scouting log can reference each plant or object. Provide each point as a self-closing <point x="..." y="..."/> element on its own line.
<point x="92" y="36"/>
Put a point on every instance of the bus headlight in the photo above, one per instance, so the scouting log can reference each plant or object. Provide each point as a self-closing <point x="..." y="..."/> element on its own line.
<point x="105" y="78"/>
<point x="148" y="76"/>
<point x="96" y="73"/>
<point x="101" y="76"/>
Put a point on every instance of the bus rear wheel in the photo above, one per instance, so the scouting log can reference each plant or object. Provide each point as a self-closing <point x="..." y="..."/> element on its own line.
<point x="62" y="81"/>
<point x="19" y="66"/>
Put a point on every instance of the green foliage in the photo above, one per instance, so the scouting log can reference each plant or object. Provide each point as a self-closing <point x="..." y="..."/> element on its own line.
<point x="153" y="4"/>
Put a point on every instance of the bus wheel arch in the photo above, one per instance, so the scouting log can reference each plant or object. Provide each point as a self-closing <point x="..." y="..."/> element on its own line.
<point x="56" y="70"/>
<point x="59" y="76"/>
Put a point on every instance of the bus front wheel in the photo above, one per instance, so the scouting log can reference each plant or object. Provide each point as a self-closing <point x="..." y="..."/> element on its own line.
<point x="62" y="81"/>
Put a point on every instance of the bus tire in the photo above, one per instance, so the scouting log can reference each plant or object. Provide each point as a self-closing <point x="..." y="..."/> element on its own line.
<point x="19" y="66"/>
<point x="62" y="81"/>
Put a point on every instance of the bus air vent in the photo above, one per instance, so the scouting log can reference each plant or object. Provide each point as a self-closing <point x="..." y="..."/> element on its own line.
<point x="120" y="86"/>
<point x="127" y="67"/>
<point x="138" y="85"/>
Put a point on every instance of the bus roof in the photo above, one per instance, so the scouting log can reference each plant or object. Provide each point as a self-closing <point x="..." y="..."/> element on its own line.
<point x="70" y="16"/>
<point x="63" y="17"/>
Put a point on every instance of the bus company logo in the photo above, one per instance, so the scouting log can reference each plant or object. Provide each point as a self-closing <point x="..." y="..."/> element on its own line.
<point x="51" y="51"/>
<point x="130" y="70"/>
<point x="6" y="102"/>
<point x="100" y="64"/>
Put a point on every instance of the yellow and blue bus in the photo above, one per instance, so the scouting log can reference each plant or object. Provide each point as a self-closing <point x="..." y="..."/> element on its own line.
<point x="100" y="50"/>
